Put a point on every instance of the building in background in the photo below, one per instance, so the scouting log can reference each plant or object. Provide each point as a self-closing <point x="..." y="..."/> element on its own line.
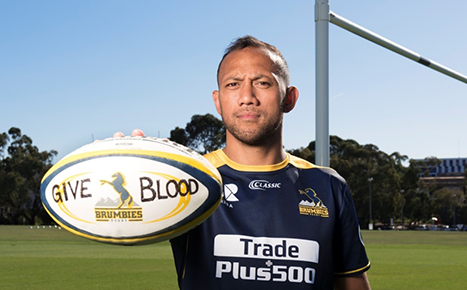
<point x="444" y="172"/>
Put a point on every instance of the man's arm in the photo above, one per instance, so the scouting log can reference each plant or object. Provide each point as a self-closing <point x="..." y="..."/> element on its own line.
<point x="357" y="282"/>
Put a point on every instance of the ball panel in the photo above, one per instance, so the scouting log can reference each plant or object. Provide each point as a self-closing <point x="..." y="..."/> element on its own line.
<point x="202" y="165"/>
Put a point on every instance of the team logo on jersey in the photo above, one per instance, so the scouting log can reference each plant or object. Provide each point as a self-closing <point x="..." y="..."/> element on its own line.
<point x="230" y="191"/>
<point x="312" y="205"/>
<point x="263" y="185"/>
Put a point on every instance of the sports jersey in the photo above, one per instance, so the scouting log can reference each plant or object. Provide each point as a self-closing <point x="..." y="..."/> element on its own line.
<point x="289" y="226"/>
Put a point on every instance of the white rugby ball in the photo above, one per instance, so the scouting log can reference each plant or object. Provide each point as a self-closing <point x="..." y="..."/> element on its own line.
<point x="131" y="190"/>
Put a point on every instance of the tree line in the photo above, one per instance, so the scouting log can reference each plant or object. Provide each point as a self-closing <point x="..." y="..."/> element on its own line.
<point x="22" y="166"/>
<point x="389" y="182"/>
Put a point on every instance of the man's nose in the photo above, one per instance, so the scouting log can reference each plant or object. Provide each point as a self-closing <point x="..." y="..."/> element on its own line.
<point x="248" y="95"/>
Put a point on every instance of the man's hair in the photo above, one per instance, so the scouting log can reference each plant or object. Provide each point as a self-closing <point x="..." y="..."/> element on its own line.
<point x="250" y="41"/>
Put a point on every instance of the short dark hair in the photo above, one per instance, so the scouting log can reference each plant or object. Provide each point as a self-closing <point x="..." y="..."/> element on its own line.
<point x="250" y="41"/>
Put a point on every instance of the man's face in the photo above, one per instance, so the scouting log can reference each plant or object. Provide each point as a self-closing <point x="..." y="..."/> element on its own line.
<point x="250" y="96"/>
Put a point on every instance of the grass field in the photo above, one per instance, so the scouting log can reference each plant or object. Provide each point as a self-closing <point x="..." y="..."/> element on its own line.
<point x="417" y="260"/>
<point x="55" y="259"/>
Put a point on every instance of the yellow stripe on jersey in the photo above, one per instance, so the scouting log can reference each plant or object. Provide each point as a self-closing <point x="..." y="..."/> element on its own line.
<point x="362" y="269"/>
<point x="218" y="158"/>
<point x="301" y="163"/>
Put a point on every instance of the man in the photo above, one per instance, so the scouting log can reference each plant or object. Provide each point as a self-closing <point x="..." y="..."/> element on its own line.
<point x="284" y="223"/>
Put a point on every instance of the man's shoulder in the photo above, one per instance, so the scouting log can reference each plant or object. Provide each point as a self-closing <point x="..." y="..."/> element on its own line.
<point x="217" y="158"/>
<point x="301" y="163"/>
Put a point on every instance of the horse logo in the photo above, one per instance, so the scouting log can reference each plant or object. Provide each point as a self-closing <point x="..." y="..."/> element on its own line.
<point x="316" y="201"/>
<point x="118" y="185"/>
<point x="314" y="206"/>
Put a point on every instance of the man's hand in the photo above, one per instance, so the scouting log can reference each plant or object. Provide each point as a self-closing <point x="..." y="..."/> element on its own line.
<point x="135" y="133"/>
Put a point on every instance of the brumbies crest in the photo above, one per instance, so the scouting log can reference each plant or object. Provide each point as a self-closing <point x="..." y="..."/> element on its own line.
<point x="122" y="209"/>
<point x="312" y="204"/>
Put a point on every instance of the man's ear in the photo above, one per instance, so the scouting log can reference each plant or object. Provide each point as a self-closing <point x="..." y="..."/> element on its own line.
<point x="215" y="98"/>
<point x="290" y="99"/>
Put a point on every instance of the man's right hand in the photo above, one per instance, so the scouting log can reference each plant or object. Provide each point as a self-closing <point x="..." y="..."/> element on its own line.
<point x="135" y="133"/>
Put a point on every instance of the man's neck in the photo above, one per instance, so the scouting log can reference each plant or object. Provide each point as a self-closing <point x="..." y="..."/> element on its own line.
<point x="268" y="154"/>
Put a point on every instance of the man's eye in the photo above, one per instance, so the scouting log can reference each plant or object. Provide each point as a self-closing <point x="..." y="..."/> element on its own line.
<point x="264" y="84"/>
<point x="231" y="85"/>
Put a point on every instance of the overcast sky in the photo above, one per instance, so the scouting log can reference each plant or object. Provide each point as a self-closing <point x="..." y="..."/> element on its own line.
<point x="71" y="71"/>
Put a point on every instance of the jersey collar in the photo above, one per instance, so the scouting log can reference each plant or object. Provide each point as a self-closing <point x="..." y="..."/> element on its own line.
<point x="218" y="158"/>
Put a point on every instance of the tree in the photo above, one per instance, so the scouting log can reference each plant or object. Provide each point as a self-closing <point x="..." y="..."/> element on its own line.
<point x="399" y="159"/>
<point x="21" y="171"/>
<point x="445" y="203"/>
<point x="204" y="133"/>
<point x="3" y="142"/>
<point x="417" y="196"/>
<point x="179" y="135"/>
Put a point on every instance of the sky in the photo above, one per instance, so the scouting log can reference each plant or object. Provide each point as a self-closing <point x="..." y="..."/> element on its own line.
<point x="75" y="71"/>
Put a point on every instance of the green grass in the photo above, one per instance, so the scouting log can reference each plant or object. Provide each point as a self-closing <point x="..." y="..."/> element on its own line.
<point x="417" y="260"/>
<point x="55" y="259"/>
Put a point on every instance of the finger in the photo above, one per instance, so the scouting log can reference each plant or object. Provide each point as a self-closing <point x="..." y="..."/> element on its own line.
<point x="118" y="134"/>
<point x="137" y="133"/>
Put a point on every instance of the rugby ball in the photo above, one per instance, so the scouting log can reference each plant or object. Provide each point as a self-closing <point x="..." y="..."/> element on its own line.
<point x="131" y="190"/>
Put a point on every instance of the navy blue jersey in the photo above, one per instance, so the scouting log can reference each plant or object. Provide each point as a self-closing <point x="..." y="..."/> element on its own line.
<point x="289" y="226"/>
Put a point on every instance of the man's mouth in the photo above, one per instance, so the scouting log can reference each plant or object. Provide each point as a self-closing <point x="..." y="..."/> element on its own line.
<point x="248" y="115"/>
